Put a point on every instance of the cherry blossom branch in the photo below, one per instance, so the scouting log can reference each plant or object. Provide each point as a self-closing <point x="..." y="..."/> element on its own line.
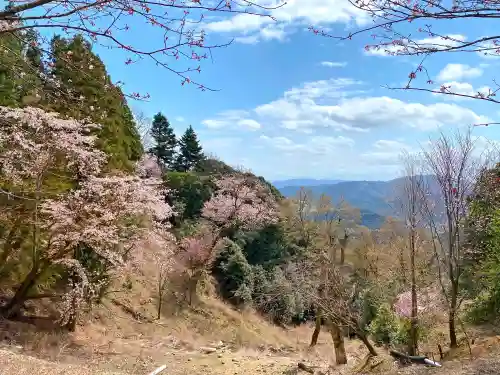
<point x="105" y="20"/>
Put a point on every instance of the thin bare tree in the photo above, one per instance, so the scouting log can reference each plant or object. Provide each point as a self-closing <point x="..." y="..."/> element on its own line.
<point x="143" y="125"/>
<point x="321" y="282"/>
<point x="411" y="207"/>
<point x="455" y="167"/>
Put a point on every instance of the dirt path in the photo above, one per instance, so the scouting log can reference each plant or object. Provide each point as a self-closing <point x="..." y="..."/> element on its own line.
<point x="13" y="361"/>
<point x="239" y="363"/>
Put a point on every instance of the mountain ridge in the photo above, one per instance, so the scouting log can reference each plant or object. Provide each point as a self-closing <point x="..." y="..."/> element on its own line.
<point x="375" y="199"/>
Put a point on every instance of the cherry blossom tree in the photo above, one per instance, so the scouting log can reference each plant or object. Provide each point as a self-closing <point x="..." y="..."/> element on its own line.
<point x="415" y="28"/>
<point x="178" y="41"/>
<point x="148" y="167"/>
<point x="240" y="202"/>
<point x="85" y="207"/>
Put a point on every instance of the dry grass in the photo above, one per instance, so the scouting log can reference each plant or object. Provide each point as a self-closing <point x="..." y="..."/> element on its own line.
<point x="124" y="338"/>
<point x="14" y="363"/>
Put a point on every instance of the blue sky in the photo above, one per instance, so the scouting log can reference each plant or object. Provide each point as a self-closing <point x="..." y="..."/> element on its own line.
<point x="293" y="104"/>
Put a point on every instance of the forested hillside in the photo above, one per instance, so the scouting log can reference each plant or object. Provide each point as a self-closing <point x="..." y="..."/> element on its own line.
<point x="92" y="218"/>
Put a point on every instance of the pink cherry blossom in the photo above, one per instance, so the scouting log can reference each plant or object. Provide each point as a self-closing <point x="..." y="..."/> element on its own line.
<point x="106" y="212"/>
<point x="241" y="201"/>
<point x="148" y="167"/>
<point x="34" y="141"/>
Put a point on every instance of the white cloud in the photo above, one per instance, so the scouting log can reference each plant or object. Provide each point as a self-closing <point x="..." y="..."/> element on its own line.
<point x="409" y="46"/>
<point x="269" y="32"/>
<point x="327" y="157"/>
<point x="214" y="124"/>
<point x="313" y="145"/>
<point x="331" y="88"/>
<point x="232" y="118"/>
<point x="332" y="104"/>
<point x="249" y="123"/>
<point x="333" y="64"/>
<point x="384" y="144"/>
<point x="457" y="72"/>
<point x="180" y="119"/>
<point x="386" y="152"/>
<point x="490" y="49"/>
<point x="250" y="28"/>
<point x="313" y="120"/>
<point x="252" y="39"/>
<point x="340" y="104"/>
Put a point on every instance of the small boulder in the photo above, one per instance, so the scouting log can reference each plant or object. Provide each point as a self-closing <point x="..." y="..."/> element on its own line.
<point x="208" y="349"/>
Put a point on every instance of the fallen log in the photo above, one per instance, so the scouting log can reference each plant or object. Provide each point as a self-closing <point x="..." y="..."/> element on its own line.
<point x="422" y="360"/>
<point x="158" y="370"/>
<point x="302" y="366"/>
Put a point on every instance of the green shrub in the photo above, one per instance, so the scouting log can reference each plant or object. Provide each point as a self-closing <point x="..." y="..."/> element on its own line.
<point x="275" y="297"/>
<point x="384" y="327"/>
<point x="234" y="275"/>
<point x="401" y="336"/>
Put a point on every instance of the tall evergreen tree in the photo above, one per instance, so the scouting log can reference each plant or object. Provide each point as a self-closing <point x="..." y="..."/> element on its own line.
<point x="164" y="141"/>
<point x="86" y="91"/>
<point x="19" y="81"/>
<point x="190" y="151"/>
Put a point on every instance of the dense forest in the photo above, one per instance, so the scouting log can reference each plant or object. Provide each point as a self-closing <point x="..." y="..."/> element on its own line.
<point x="83" y="201"/>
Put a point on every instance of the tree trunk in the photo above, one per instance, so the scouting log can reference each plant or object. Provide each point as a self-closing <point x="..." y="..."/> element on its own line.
<point x="317" y="329"/>
<point x="160" y="297"/>
<point x="452" y="329"/>
<point x="451" y="315"/>
<point x="413" y="344"/>
<point x="71" y="324"/>
<point x="160" y="302"/>
<point x="12" y="308"/>
<point x="342" y="255"/>
<point x="368" y="344"/>
<point x="338" y="343"/>
<point x="193" y="286"/>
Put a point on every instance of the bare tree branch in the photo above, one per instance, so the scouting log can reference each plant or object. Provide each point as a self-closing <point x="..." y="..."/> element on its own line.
<point x="391" y="36"/>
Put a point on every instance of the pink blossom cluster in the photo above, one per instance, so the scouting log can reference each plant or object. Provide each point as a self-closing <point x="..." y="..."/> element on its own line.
<point x="101" y="213"/>
<point x="157" y="246"/>
<point x="8" y="25"/>
<point x="241" y="201"/>
<point x="33" y="141"/>
<point x="427" y="300"/>
<point x="148" y="167"/>
<point x="74" y="299"/>
<point x="106" y="212"/>
<point x="196" y="252"/>
<point x="238" y="202"/>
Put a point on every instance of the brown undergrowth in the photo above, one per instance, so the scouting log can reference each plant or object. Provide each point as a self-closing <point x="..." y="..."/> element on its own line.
<point x="122" y="336"/>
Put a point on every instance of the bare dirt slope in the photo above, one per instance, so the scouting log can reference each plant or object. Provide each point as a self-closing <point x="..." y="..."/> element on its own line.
<point x="122" y="336"/>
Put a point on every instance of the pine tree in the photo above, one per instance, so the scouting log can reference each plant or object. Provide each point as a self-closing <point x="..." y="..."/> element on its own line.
<point x="86" y="91"/>
<point x="165" y="141"/>
<point x="190" y="152"/>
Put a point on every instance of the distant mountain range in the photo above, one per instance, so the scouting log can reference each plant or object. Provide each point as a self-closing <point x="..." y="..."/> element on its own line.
<point x="375" y="199"/>
<point x="303" y="182"/>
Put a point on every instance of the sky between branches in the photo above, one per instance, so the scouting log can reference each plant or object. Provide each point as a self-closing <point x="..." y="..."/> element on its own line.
<point x="294" y="104"/>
